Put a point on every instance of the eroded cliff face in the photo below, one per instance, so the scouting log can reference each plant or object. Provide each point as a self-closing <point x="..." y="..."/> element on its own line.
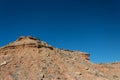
<point x="28" y="58"/>
<point x="31" y="42"/>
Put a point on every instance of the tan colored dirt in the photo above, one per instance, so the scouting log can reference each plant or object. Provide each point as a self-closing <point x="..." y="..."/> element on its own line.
<point x="28" y="58"/>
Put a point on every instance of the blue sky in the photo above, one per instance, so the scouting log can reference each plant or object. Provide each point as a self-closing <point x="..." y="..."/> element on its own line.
<point x="91" y="26"/>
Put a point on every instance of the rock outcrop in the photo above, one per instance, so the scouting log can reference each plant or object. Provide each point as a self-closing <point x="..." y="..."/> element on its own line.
<point x="29" y="41"/>
<point x="29" y="58"/>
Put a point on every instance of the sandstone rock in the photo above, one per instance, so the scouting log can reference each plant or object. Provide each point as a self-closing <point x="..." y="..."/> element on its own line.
<point x="3" y="63"/>
<point x="29" y="58"/>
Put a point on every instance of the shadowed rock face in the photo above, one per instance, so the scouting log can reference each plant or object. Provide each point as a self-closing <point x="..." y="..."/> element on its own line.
<point x="29" y="58"/>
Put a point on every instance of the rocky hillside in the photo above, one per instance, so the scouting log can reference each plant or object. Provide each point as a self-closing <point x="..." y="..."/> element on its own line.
<point x="29" y="58"/>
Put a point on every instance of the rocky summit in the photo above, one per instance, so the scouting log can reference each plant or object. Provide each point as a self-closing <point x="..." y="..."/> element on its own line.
<point x="29" y="58"/>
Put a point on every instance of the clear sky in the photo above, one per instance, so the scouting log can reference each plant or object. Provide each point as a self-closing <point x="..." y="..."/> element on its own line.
<point x="91" y="26"/>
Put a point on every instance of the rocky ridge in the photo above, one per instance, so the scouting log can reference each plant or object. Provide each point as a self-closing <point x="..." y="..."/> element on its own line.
<point x="29" y="58"/>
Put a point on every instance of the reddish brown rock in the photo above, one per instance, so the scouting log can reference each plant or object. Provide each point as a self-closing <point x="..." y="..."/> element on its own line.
<point x="28" y="58"/>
